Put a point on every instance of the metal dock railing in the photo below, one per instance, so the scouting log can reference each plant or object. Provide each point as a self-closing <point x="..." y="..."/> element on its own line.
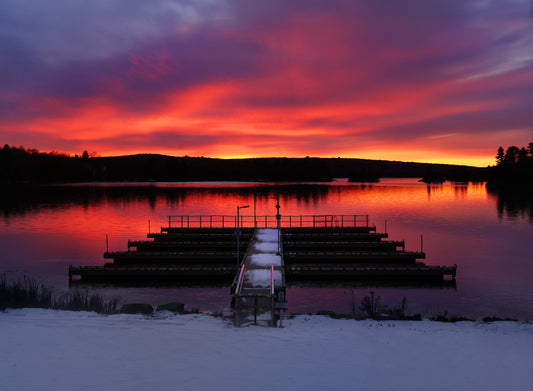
<point x="267" y="221"/>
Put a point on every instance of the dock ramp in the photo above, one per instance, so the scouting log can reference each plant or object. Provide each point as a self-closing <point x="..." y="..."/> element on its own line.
<point x="260" y="281"/>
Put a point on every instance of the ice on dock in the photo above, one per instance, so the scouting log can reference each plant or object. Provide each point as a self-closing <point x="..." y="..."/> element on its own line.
<point x="262" y="254"/>
<point x="267" y="235"/>
<point x="264" y="249"/>
<point x="265" y="259"/>
<point x="267" y="247"/>
<point x="260" y="278"/>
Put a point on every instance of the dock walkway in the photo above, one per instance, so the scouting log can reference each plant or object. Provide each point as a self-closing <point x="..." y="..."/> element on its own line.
<point x="261" y="278"/>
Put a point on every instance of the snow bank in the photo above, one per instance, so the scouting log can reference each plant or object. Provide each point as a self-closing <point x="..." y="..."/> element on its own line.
<point x="50" y="350"/>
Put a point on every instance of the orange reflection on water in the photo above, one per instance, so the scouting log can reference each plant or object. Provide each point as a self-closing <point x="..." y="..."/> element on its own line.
<point x="129" y="212"/>
<point x="45" y="230"/>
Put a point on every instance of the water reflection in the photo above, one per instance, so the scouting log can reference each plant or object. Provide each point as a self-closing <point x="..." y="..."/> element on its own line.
<point x="513" y="204"/>
<point x="487" y="234"/>
<point x="21" y="200"/>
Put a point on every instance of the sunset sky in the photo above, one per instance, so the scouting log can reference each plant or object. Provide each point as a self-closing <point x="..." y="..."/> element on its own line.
<point x="417" y="80"/>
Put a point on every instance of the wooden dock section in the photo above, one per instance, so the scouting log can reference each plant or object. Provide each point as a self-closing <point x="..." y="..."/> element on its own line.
<point x="355" y="253"/>
<point x="178" y="254"/>
<point x="379" y="271"/>
<point x="146" y="272"/>
<point x="260" y="281"/>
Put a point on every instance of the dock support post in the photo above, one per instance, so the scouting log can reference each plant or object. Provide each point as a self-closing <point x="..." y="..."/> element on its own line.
<point x="238" y="250"/>
<point x="279" y="242"/>
<point x="255" y="310"/>
<point x="273" y="320"/>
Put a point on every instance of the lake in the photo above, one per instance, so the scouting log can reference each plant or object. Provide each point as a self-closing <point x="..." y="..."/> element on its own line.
<point x="488" y="236"/>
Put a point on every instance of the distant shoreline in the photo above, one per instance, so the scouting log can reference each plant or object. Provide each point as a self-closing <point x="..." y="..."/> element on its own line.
<point x="20" y="166"/>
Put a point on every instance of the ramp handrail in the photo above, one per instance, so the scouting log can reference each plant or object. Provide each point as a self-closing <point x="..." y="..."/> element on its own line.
<point x="240" y="280"/>
<point x="272" y="280"/>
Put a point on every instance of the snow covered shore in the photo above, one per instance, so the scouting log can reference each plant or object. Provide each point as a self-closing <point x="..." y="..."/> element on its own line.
<point x="59" y="350"/>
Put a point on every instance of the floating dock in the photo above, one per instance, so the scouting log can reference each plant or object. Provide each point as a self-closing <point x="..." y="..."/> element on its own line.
<point x="259" y="255"/>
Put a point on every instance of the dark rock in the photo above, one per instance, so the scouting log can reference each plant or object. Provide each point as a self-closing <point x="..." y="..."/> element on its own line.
<point x="175" y="306"/>
<point x="137" y="308"/>
<point x="331" y="314"/>
<point x="490" y="319"/>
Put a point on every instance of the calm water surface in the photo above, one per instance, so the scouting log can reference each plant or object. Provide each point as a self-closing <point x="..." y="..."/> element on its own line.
<point x="487" y="235"/>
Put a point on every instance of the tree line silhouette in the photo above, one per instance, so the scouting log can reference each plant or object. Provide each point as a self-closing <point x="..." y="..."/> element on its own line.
<point x="514" y="168"/>
<point x="19" y="165"/>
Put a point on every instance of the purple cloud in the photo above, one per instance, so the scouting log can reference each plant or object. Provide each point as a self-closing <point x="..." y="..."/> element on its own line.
<point x="414" y="62"/>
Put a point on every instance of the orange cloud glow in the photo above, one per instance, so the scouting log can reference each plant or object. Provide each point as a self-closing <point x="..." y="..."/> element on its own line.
<point x="425" y="83"/>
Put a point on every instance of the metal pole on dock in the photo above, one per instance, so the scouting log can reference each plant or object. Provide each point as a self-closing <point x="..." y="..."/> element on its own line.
<point x="106" y="244"/>
<point x="255" y="214"/>
<point x="239" y="208"/>
<point x="255" y="310"/>
<point x="238" y="250"/>
<point x="279" y="242"/>
<point x="421" y="243"/>
<point x="278" y="215"/>
<point x="278" y="223"/>
<point x="238" y="233"/>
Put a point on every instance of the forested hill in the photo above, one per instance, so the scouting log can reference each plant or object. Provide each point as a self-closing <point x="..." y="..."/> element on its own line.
<point x="19" y="165"/>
